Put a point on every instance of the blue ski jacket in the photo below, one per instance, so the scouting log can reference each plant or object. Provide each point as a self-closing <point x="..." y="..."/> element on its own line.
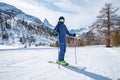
<point x="61" y="30"/>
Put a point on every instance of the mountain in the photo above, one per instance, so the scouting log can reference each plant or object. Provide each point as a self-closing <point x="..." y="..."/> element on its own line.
<point x="46" y="23"/>
<point x="17" y="27"/>
<point x="78" y="31"/>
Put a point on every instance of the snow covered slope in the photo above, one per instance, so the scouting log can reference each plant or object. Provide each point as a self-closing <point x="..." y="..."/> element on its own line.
<point x="17" y="27"/>
<point x="32" y="64"/>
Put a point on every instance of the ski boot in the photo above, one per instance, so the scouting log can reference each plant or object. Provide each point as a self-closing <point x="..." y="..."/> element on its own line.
<point x="63" y="63"/>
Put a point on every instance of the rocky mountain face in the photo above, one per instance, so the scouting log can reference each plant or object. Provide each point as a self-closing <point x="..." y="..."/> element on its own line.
<point x="17" y="27"/>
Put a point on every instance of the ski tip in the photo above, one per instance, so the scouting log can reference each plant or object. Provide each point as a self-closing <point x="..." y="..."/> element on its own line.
<point x="50" y="61"/>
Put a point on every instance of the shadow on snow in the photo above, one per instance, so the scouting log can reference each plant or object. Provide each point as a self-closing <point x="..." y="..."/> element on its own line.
<point x="89" y="74"/>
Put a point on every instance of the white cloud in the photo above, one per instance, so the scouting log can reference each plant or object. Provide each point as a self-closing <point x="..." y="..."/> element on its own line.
<point x="78" y="13"/>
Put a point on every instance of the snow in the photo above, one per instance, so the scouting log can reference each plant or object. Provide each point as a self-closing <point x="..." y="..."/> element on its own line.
<point x="3" y="47"/>
<point x="28" y="18"/>
<point x="6" y="7"/>
<point x="32" y="63"/>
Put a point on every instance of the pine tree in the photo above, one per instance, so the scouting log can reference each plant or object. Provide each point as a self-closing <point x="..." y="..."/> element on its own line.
<point x="107" y="18"/>
<point x="116" y="39"/>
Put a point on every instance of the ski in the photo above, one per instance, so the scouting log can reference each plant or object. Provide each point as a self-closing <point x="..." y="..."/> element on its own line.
<point x="69" y="66"/>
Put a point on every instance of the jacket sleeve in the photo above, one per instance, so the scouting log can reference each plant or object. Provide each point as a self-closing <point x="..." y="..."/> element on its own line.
<point x="68" y="33"/>
<point x="55" y="31"/>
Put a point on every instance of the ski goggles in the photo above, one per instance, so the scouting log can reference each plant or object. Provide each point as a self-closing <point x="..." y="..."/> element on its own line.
<point x="61" y="20"/>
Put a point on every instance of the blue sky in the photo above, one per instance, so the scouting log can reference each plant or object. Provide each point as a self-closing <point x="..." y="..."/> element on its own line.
<point x="77" y="13"/>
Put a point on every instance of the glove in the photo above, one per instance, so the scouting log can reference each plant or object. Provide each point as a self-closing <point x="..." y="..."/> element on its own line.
<point x="74" y="35"/>
<point x="55" y="34"/>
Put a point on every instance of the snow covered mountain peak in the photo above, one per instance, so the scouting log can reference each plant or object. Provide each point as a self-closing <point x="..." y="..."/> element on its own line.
<point x="9" y="9"/>
<point x="18" y="27"/>
<point x="46" y="22"/>
<point x="14" y="12"/>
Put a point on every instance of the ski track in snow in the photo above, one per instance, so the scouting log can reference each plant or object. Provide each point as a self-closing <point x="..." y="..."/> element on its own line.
<point x="32" y="64"/>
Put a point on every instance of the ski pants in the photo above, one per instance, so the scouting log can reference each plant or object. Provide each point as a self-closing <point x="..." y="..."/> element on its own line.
<point x="62" y="51"/>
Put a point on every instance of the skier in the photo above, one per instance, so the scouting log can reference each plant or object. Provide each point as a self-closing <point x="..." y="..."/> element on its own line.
<point x="61" y="31"/>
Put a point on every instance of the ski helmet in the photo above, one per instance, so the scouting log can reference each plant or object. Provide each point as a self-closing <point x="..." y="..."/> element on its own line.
<point x="62" y="19"/>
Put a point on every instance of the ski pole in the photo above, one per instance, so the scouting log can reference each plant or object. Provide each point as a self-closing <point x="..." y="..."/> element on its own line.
<point x="58" y="49"/>
<point x="75" y="51"/>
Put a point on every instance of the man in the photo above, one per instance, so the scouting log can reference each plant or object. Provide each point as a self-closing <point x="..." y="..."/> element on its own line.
<point x="61" y="31"/>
